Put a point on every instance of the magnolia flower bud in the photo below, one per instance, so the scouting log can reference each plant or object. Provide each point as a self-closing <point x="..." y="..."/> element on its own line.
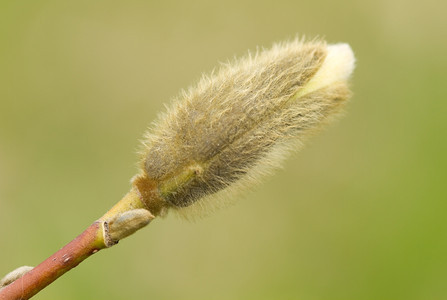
<point x="238" y="124"/>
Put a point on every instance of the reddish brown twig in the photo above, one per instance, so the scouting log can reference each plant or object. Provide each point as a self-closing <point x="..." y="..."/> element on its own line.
<point x="119" y="222"/>
<point x="68" y="257"/>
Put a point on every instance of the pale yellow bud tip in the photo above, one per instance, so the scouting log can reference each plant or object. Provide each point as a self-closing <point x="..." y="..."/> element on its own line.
<point x="338" y="66"/>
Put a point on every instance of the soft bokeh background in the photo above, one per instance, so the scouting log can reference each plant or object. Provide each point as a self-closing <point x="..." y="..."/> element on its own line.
<point x="359" y="213"/>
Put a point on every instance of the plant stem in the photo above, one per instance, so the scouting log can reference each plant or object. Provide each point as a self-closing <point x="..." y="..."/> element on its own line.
<point x="68" y="257"/>
<point x="93" y="239"/>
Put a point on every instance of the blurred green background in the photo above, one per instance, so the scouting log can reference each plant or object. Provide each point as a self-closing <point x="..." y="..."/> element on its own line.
<point x="359" y="213"/>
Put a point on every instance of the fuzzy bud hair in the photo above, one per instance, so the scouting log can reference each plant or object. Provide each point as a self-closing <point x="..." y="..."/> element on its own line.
<point x="238" y="124"/>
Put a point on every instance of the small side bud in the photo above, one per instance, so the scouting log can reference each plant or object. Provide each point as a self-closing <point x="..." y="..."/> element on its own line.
<point x="14" y="275"/>
<point x="127" y="223"/>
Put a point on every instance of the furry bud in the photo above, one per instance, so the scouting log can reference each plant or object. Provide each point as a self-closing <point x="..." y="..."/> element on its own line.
<point x="236" y="125"/>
